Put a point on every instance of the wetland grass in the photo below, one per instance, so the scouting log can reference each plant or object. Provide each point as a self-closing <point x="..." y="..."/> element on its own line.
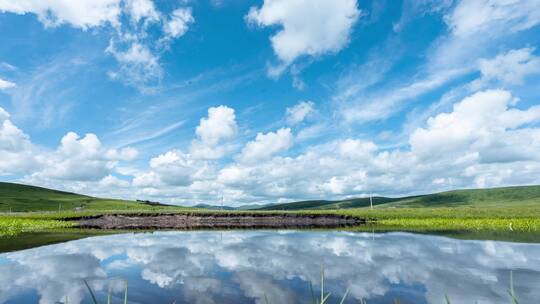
<point x="109" y="294"/>
<point x="322" y="297"/>
<point x="10" y="226"/>
<point x="474" y="219"/>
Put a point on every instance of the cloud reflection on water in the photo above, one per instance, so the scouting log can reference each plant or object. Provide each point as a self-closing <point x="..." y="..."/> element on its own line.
<point x="227" y="267"/>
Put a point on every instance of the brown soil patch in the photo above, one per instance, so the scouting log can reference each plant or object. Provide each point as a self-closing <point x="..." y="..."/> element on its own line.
<point x="213" y="221"/>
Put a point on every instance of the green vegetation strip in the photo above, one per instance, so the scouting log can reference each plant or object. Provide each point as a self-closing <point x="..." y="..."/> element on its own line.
<point x="10" y="226"/>
<point x="517" y="219"/>
<point x="522" y="225"/>
<point x="523" y="219"/>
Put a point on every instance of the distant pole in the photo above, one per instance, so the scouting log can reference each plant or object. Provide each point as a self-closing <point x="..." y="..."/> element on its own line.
<point x="59" y="206"/>
<point x="371" y="201"/>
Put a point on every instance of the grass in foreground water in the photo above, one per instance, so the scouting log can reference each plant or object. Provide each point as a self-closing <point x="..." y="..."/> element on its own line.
<point x="321" y="298"/>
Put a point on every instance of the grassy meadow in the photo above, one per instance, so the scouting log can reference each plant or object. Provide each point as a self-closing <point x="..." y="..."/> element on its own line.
<point x="513" y="209"/>
<point x="25" y="198"/>
<point x="524" y="196"/>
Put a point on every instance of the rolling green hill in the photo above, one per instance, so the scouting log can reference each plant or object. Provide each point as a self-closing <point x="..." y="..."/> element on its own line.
<point x="18" y="198"/>
<point x="213" y="207"/>
<point x="253" y="206"/>
<point x="359" y="202"/>
<point x="323" y="204"/>
<point x="523" y="196"/>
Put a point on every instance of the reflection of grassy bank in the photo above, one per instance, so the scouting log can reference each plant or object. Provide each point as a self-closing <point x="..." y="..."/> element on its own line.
<point x="35" y="239"/>
<point x="493" y="235"/>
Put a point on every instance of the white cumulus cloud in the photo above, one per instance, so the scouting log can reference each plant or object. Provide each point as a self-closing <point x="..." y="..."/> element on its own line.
<point x="140" y="9"/>
<point x="82" y="13"/>
<point x="299" y="112"/>
<point x="16" y="155"/>
<point x="471" y="17"/>
<point x="307" y="27"/>
<point x="175" y="168"/>
<point x="219" y="126"/>
<point x="179" y="22"/>
<point x="266" y="145"/>
<point x="508" y="68"/>
<point x="81" y="159"/>
<point x="482" y="126"/>
<point x="486" y="139"/>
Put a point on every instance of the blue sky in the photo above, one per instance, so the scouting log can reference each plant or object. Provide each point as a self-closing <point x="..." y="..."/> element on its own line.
<point x="269" y="101"/>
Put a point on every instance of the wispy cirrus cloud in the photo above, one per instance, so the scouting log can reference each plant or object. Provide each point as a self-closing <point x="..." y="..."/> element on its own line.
<point x="454" y="55"/>
<point x="6" y="84"/>
<point x="132" y="24"/>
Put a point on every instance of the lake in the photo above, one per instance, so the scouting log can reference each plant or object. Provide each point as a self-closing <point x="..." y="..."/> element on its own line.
<point x="252" y="266"/>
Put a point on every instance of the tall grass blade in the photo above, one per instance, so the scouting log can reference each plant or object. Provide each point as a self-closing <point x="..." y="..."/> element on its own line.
<point x="513" y="297"/>
<point x="125" y="293"/>
<point x="325" y="298"/>
<point x="511" y="290"/>
<point x="447" y="299"/>
<point x="322" y="284"/>
<point x="94" y="300"/>
<point x="109" y="296"/>
<point x="344" y="296"/>
<point x="313" y="299"/>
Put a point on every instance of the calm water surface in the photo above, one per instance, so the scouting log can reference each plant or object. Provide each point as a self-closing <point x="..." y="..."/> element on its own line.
<point x="246" y="266"/>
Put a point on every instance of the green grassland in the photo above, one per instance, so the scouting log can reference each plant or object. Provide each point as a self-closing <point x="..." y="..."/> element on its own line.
<point x="325" y="205"/>
<point x="524" y="219"/>
<point x="510" y="209"/>
<point x="25" y="198"/>
<point x="524" y="196"/>
<point x="514" y="209"/>
<point x="25" y="208"/>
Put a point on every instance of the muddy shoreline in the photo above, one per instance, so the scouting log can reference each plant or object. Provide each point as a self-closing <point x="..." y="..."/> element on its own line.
<point x="216" y="220"/>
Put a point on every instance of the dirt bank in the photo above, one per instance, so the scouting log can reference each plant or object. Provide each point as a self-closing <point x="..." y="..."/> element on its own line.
<point x="212" y="221"/>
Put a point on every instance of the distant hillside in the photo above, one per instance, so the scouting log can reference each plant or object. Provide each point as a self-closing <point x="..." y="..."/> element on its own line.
<point x="323" y="204"/>
<point x="253" y="206"/>
<point x="213" y="207"/>
<point x="359" y="202"/>
<point x="242" y="207"/>
<point x="18" y="197"/>
<point x="521" y="196"/>
<point x="495" y="197"/>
